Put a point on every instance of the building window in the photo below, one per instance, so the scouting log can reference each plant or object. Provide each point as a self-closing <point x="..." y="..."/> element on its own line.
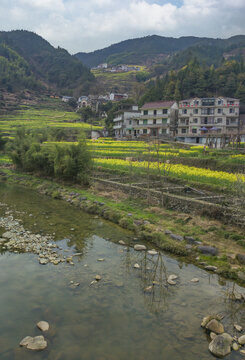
<point x="130" y="122"/>
<point x="164" y="121"/>
<point x="145" y="122"/>
<point x="184" y="111"/>
<point x="196" y="102"/>
<point x="195" y="111"/>
<point x="154" y="121"/>
<point x="219" y="120"/>
<point x="183" y="131"/>
<point x="219" y="111"/>
<point x="164" y="131"/>
<point x="195" y="120"/>
<point x="194" y="131"/>
<point x="145" y="112"/>
<point x="220" y="102"/>
<point x="164" y="111"/>
<point x="231" y="110"/>
<point x="144" y="131"/>
<point x="129" y="132"/>
<point x="155" y="112"/>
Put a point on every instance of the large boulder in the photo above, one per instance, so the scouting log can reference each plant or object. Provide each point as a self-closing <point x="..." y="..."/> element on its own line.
<point x="221" y="345"/>
<point x="208" y="250"/>
<point x="215" y="326"/>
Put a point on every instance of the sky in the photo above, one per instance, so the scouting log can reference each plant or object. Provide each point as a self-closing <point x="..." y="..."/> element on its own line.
<point x="87" y="25"/>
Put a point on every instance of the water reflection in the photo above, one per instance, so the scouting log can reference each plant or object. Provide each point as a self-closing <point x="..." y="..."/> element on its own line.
<point x="115" y="318"/>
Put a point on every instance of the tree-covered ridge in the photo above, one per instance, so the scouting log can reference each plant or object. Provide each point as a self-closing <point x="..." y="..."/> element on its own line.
<point x="55" y="67"/>
<point x="199" y="80"/>
<point x="15" y="73"/>
<point x="151" y="49"/>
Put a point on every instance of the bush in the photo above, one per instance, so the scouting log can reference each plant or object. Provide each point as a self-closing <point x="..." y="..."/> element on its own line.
<point x="71" y="162"/>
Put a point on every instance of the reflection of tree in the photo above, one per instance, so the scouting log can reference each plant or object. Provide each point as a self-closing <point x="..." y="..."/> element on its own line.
<point x="153" y="277"/>
<point x="234" y="304"/>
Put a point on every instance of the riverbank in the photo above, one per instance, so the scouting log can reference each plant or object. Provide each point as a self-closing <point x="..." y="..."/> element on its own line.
<point x="206" y="243"/>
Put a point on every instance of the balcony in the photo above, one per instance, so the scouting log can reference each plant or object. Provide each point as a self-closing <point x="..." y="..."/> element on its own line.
<point x="158" y="116"/>
<point x="118" y="118"/>
<point x="118" y="126"/>
<point x="151" y="126"/>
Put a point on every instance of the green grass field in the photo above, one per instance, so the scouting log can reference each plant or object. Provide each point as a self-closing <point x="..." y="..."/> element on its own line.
<point x="35" y="117"/>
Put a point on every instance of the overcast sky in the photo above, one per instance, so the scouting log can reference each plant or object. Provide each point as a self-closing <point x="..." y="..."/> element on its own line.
<point x="87" y="25"/>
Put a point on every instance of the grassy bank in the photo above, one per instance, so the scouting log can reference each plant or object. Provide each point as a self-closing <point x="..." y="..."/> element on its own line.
<point x="149" y="223"/>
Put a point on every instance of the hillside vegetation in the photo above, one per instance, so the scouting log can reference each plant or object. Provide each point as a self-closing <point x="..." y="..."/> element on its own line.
<point x="26" y="59"/>
<point x="158" y="49"/>
<point x="195" y="79"/>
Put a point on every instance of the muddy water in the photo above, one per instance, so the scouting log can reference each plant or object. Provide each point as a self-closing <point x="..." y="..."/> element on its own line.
<point x="114" y="319"/>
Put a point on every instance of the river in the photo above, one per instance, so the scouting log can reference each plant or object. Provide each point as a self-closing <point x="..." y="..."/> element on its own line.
<point x="114" y="318"/>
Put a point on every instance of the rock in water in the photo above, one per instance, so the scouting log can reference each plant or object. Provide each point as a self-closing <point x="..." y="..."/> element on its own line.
<point x="171" y="279"/>
<point x="136" y="266"/>
<point x="121" y="242"/>
<point x="34" y="343"/>
<point x="235" y="346"/>
<point x="210" y="268"/>
<point x="195" y="280"/>
<point x="221" y="345"/>
<point x="97" y="277"/>
<point x="241" y="340"/>
<point x="26" y="340"/>
<point x="238" y="327"/>
<point x="37" y="343"/>
<point x="215" y="326"/>
<point x="139" y="247"/>
<point x="152" y="252"/>
<point x="43" y="325"/>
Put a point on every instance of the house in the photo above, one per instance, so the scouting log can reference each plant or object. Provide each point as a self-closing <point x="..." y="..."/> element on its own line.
<point x="199" y="117"/>
<point x="123" y="122"/>
<point x="118" y="97"/>
<point x="66" y="98"/>
<point x="83" y="101"/>
<point x="156" y="119"/>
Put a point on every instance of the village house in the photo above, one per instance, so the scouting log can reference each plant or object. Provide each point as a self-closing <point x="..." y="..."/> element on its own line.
<point x="156" y="119"/>
<point x="118" y="97"/>
<point x="199" y="117"/>
<point x="123" y="120"/>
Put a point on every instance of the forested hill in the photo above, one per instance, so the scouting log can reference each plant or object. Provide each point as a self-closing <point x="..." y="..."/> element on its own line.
<point x="27" y="60"/>
<point x="158" y="49"/>
<point x="195" y="79"/>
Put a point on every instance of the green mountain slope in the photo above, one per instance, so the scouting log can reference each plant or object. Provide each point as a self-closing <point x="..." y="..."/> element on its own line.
<point x="158" y="49"/>
<point x="54" y="67"/>
<point x="15" y="72"/>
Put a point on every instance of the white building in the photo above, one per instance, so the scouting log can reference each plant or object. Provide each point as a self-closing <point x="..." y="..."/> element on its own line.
<point x="123" y="120"/>
<point x="199" y="117"/>
<point x="156" y="119"/>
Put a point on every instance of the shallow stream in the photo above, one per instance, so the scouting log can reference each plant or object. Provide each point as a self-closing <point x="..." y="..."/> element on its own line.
<point x="115" y="318"/>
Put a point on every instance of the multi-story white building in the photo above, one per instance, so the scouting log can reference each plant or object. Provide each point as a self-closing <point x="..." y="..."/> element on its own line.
<point x="124" y="119"/>
<point x="156" y="119"/>
<point x="199" y="117"/>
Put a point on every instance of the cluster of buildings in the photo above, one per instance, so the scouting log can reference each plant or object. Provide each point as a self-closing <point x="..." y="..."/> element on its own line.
<point x="189" y="120"/>
<point x="116" y="68"/>
<point x="94" y="101"/>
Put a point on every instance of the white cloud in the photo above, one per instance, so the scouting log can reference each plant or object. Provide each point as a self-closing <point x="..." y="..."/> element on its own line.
<point x="80" y="25"/>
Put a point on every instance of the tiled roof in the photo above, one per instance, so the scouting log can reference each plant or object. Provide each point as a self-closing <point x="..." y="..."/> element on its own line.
<point x="157" y="105"/>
